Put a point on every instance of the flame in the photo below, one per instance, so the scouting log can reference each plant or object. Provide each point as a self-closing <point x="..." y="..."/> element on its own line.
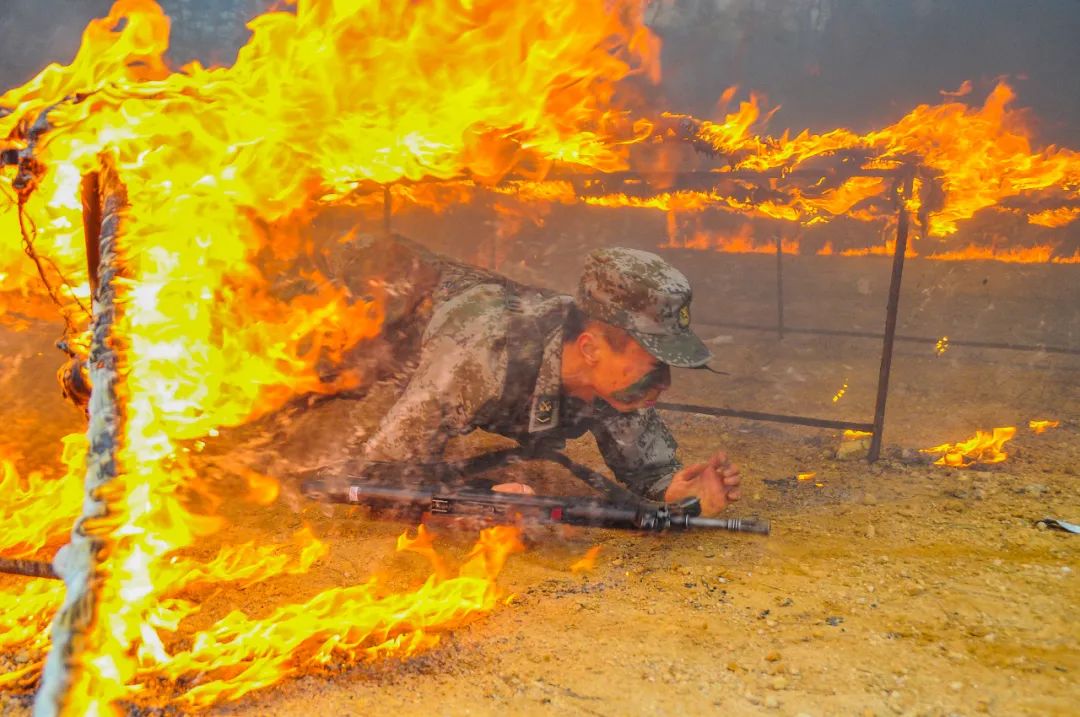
<point x="1040" y="425"/>
<point x="941" y="346"/>
<point x="979" y="156"/>
<point x="241" y="653"/>
<point x="221" y="166"/>
<point x="852" y="435"/>
<point x="1053" y="218"/>
<point x="287" y="123"/>
<point x="36" y="512"/>
<point x="809" y="475"/>
<point x="741" y="242"/>
<point x="587" y="561"/>
<point x="972" y="158"/>
<point x="982" y="448"/>
<point x="26" y="612"/>
<point x="887" y="248"/>
<point x="224" y="166"/>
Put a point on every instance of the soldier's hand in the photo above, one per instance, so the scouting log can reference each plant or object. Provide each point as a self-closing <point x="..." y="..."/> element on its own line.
<point x="715" y="483"/>
<point x="513" y="488"/>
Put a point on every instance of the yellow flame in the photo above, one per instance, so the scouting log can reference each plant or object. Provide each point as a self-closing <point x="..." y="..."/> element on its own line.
<point x="982" y="448"/>
<point x="1040" y="425"/>
<point x="224" y="166"/>
<point x="221" y="166"/>
<point x="964" y="146"/>
<point x="1053" y="218"/>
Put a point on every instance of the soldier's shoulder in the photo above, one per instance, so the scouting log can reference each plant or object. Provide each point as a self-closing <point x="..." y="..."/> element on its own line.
<point x="475" y="313"/>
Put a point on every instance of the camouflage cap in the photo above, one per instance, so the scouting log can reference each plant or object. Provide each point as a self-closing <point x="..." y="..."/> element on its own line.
<point x="643" y="294"/>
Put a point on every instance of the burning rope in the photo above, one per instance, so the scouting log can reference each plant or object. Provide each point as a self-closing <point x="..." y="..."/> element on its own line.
<point x="25" y="182"/>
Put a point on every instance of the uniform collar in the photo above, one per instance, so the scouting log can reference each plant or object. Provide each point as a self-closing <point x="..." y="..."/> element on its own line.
<point x="547" y="394"/>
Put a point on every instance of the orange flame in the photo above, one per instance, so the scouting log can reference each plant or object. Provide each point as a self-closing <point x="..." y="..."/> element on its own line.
<point x="980" y="155"/>
<point x="1040" y="426"/>
<point x="982" y="448"/>
<point x="741" y="242"/>
<point x="36" y="513"/>
<point x="587" y="561"/>
<point x="1053" y="218"/>
<point x="320" y="98"/>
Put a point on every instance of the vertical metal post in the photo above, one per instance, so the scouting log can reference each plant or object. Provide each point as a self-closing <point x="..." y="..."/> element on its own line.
<point x="387" y="208"/>
<point x="902" y="220"/>
<point x="77" y="627"/>
<point x="779" y="287"/>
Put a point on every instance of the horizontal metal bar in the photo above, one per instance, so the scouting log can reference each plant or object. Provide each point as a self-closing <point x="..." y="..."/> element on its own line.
<point x="901" y="337"/>
<point x="29" y="568"/>
<point x="758" y="416"/>
<point x="706" y="176"/>
<point x="701" y="178"/>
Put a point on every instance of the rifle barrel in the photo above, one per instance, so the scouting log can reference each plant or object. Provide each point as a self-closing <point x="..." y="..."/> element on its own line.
<point x="737" y="525"/>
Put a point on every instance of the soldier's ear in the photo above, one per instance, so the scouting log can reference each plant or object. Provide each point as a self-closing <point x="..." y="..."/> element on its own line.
<point x="588" y="347"/>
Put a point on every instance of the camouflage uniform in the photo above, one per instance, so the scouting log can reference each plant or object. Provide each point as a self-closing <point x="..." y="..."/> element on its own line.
<point x="490" y="357"/>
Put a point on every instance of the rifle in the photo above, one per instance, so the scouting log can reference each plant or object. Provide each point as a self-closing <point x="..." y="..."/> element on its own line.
<point x="507" y="507"/>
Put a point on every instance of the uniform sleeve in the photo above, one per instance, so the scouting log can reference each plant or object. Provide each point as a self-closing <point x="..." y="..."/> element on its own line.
<point x="639" y="449"/>
<point x="461" y="369"/>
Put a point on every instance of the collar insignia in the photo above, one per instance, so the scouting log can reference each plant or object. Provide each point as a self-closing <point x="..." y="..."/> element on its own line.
<point x="544" y="410"/>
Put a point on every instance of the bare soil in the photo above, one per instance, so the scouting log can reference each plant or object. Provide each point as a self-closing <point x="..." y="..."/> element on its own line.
<point x="895" y="588"/>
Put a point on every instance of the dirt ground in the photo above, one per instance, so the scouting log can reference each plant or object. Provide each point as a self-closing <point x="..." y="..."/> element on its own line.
<point x="897" y="588"/>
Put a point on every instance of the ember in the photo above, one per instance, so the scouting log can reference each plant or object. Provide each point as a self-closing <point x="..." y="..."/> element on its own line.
<point x="840" y="394"/>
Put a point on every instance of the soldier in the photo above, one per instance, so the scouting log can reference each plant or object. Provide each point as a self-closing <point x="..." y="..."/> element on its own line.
<point x="540" y="367"/>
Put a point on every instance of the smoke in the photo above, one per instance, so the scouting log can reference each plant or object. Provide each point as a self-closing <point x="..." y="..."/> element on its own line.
<point x="828" y="63"/>
<point x="34" y="33"/>
<point x="864" y="63"/>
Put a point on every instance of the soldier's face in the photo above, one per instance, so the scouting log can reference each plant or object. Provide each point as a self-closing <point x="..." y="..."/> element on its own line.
<point x="631" y="378"/>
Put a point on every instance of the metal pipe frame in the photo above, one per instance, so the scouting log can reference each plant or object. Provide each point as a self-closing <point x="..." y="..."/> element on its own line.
<point x="903" y="338"/>
<point x="904" y="174"/>
<point x="891" y="311"/>
<point x="79" y="563"/>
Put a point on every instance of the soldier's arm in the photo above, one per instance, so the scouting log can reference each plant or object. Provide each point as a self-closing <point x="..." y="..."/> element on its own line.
<point x="461" y="368"/>
<point x="639" y="449"/>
